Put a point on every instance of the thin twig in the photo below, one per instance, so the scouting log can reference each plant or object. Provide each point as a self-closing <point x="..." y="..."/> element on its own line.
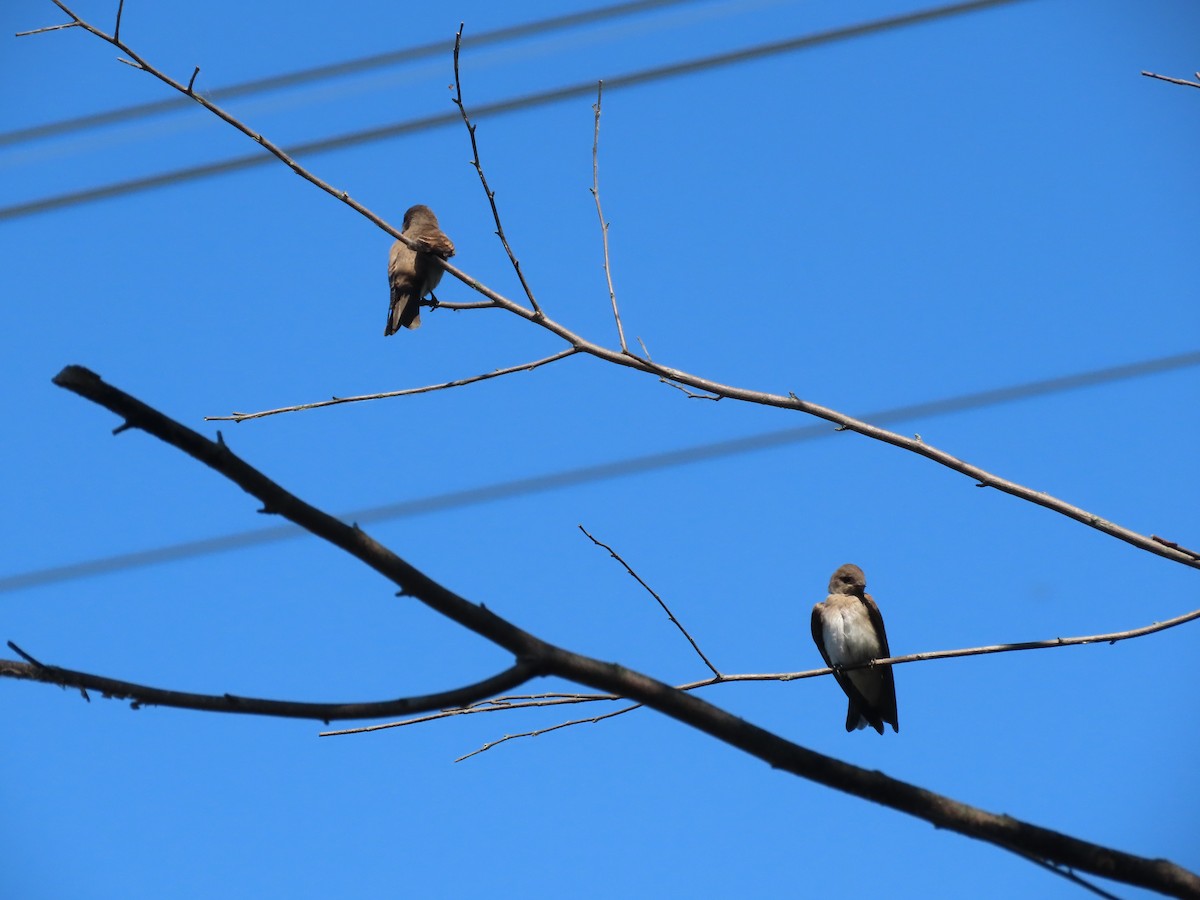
<point x="534" y="701"/>
<point x="47" y="28"/>
<point x="509" y="701"/>
<point x="117" y="28"/>
<point x="491" y="195"/>
<point x="192" y="81"/>
<point x="1174" y="80"/>
<point x="481" y="304"/>
<point x="692" y="395"/>
<point x="25" y="656"/>
<point x="509" y="737"/>
<point x="670" y="615"/>
<point x="458" y="382"/>
<point x="612" y="294"/>
<point x="1064" y="872"/>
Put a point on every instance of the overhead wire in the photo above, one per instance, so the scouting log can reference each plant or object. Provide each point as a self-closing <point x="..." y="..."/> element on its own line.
<point x="332" y="70"/>
<point x="482" y="111"/>
<point x="621" y="468"/>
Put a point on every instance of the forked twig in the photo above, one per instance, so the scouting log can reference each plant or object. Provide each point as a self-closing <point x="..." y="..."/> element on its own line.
<point x="662" y="379"/>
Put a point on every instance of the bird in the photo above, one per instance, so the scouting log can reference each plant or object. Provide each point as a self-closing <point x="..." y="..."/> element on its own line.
<point x="848" y="629"/>
<point x="411" y="273"/>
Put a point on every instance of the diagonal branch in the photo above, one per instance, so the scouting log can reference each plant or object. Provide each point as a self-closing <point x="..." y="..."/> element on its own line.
<point x="458" y="382"/>
<point x="548" y="659"/>
<point x="670" y="615"/>
<point x="141" y="695"/>
<point x="491" y="195"/>
<point x="790" y="401"/>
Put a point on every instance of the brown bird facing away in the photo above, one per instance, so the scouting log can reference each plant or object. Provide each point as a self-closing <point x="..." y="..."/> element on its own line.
<point x="413" y="274"/>
<point x="848" y="629"/>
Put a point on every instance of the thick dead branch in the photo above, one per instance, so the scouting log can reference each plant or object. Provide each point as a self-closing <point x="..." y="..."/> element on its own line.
<point x="545" y="658"/>
<point x="140" y="695"/>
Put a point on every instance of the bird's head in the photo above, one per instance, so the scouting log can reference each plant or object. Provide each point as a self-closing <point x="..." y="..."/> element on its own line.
<point x="848" y="579"/>
<point x="420" y="215"/>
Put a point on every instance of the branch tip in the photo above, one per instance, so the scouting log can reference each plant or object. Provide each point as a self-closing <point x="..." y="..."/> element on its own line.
<point x="25" y="656"/>
<point x="47" y="28"/>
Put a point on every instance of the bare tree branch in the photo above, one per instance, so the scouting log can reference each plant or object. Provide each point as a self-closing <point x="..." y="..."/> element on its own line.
<point x="612" y="294"/>
<point x="548" y="659"/>
<point x="670" y="615"/>
<point x="491" y="195"/>
<point x="1174" y="80"/>
<point x="141" y="695"/>
<point x="458" y="382"/>
<point x="844" y="422"/>
<point x="533" y="701"/>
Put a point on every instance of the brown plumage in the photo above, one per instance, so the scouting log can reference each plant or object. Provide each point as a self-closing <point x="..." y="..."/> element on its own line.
<point x="848" y="629"/>
<point x="412" y="274"/>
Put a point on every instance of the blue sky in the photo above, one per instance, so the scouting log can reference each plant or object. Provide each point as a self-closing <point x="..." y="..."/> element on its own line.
<point x="975" y="203"/>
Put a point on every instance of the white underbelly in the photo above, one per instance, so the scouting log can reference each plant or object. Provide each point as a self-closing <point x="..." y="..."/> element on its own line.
<point x="849" y="637"/>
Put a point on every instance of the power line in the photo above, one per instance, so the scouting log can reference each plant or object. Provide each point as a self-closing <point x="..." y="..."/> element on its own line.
<point x="332" y="70"/>
<point x="540" y="98"/>
<point x="601" y="472"/>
